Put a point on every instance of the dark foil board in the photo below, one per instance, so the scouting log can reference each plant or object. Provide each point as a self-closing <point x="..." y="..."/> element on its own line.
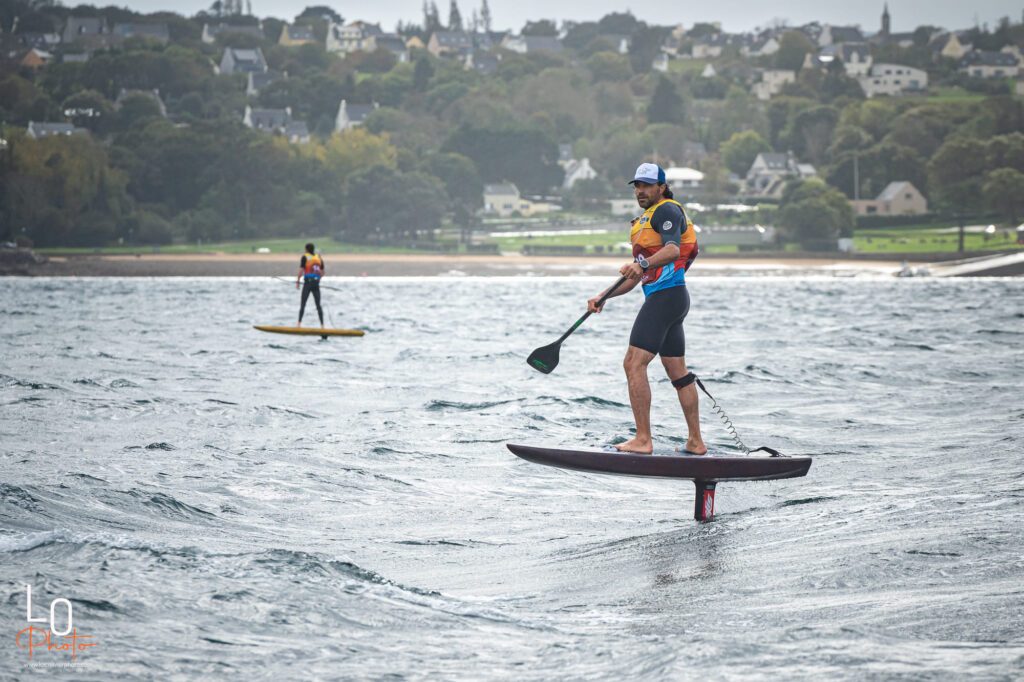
<point x="694" y="467"/>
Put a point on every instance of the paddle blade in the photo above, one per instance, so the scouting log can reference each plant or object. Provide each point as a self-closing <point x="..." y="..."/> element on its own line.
<point x="544" y="359"/>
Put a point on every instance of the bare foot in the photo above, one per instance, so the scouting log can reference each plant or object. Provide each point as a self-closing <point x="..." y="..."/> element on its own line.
<point x="298" y="324"/>
<point x="695" y="447"/>
<point x="636" y="446"/>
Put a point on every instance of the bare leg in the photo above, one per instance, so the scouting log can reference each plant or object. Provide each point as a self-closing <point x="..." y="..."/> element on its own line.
<point x="635" y="364"/>
<point x="676" y="369"/>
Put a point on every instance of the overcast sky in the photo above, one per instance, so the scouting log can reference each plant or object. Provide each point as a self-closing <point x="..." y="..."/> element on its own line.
<point x="735" y="15"/>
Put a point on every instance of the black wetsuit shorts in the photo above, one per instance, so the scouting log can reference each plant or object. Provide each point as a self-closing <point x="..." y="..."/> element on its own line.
<point x="658" y="327"/>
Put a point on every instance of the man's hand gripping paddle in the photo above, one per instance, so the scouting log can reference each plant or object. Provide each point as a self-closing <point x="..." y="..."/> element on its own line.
<point x="545" y="359"/>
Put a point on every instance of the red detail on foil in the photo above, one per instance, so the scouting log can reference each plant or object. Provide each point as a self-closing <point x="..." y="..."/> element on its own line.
<point x="709" y="504"/>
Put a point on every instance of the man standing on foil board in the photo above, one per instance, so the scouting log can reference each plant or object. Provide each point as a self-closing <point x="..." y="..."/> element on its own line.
<point x="664" y="246"/>
<point x="311" y="269"/>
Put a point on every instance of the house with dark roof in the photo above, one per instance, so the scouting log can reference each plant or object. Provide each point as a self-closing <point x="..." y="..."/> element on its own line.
<point x="213" y="31"/>
<point x="278" y="122"/>
<point x="148" y="31"/>
<point x="82" y="29"/>
<point x="835" y="35"/>
<point x="389" y="42"/>
<point x="352" y="115"/>
<point x="450" y="44"/>
<point x="532" y="44"/>
<point x="856" y="57"/>
<point x="987" y="64"/>
<point x="297" y="34"/>
<point x="350" y="37"/>
<point x="38" y="130"/>
<point x="242" y="61"/>
<point x="482" y="62"/>
<point x="770" y="172"/>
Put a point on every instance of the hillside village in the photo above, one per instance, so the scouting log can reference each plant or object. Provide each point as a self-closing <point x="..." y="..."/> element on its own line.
<point x="154" y="128"/>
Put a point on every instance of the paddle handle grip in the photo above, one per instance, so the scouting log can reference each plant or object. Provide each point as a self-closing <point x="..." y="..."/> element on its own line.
<point x="587" y="314"/>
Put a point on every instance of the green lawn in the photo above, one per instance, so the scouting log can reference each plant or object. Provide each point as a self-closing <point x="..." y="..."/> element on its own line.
<point x="911" y="240"/>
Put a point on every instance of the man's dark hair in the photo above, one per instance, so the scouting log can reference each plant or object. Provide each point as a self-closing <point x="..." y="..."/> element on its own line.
<point x="668" y="193"/>
<point x="310" y="248"/>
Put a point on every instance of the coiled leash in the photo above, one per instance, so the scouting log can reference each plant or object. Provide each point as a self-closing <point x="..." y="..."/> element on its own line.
<point x="690" y="378"/>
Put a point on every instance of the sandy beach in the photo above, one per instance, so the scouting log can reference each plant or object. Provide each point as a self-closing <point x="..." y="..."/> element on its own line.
<point x="389" y="265"/>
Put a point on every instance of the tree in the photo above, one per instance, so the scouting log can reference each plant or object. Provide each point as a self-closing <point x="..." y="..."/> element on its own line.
<point x="591" y="194"/>
<point x="454" y="17"/>
<point x="609" y="66"/>
<point x="522" y="154"/>
<point x="422" y="73"/>
<point x="320" y="12"/>
<point x="956" y="172"/>
<point x="485" y="16"/>
<point x="347" y="152"/>
<point x="740" y="150"/>
<point x="812" y="132"/>
<point x="617" y="23"/>
<point x="421" y="208"/>
<point x="815" y="215"/>
<point x="1004" y="192"/>
<point x="666" y="105"/>
<point x="644" y="45"/>
<point x="431" y="18"/>
<point x="793" y="47"/>
<point x="542" y="27"/>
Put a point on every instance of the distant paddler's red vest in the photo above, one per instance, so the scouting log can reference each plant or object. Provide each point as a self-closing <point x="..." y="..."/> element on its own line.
<point x="646" y="241"/>
<point x="314" y="266"/>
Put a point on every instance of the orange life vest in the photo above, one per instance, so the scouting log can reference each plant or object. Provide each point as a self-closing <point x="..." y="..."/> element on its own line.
<point x="647" y="241"/>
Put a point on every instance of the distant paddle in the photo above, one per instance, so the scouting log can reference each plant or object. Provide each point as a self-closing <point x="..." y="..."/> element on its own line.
<point x="292" y="281"/>
<point x="545" y="359"/>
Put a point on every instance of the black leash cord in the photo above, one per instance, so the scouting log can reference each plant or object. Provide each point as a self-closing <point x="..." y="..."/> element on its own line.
<point x="729" y="425"/>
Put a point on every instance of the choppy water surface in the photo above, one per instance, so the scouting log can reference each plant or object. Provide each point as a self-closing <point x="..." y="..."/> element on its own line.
<point x="218" y="501"/>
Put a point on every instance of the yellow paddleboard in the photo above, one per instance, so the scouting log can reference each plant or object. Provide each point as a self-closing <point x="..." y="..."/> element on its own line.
<point x="308" y="331"/>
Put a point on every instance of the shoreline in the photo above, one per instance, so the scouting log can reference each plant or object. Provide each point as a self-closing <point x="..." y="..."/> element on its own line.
<point x="391" y="265"/>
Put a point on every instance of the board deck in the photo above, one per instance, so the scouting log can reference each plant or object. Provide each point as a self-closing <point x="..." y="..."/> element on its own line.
<point x="709" y="468"/>
<point x="308" y="331"/>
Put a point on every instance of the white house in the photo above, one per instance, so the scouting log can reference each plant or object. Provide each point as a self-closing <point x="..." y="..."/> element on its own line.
<point x="503" y="199"/>
<point x="212" y="31"/>
<point x="856" y="57"/>
<point x="985" y="64"/>
<point x="277" y="121"/>
<point x="576" y="171"/>
<point x="898" y="198"/>
<point x="684" y="178"/>
<point x="350" y="37"/>
<point x="893" y="79"/>
<point x="352" y="115"/>
<point x="770" y="172"/>
<point x="37" y="130"/>
<point x="771" y="83"/>
<point x="242" y="61"/>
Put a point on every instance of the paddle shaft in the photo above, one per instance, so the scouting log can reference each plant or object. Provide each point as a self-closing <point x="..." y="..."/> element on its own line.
<point x="322" y="286"/>
<point x="587" y="314"/>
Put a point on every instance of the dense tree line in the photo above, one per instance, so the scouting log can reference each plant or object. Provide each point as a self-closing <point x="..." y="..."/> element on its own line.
<point x="441" y="131"/>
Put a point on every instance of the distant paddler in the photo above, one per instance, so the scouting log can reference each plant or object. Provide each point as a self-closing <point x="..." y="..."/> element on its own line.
<point x="664" y="245"/>
<point x="311" y="269"/>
